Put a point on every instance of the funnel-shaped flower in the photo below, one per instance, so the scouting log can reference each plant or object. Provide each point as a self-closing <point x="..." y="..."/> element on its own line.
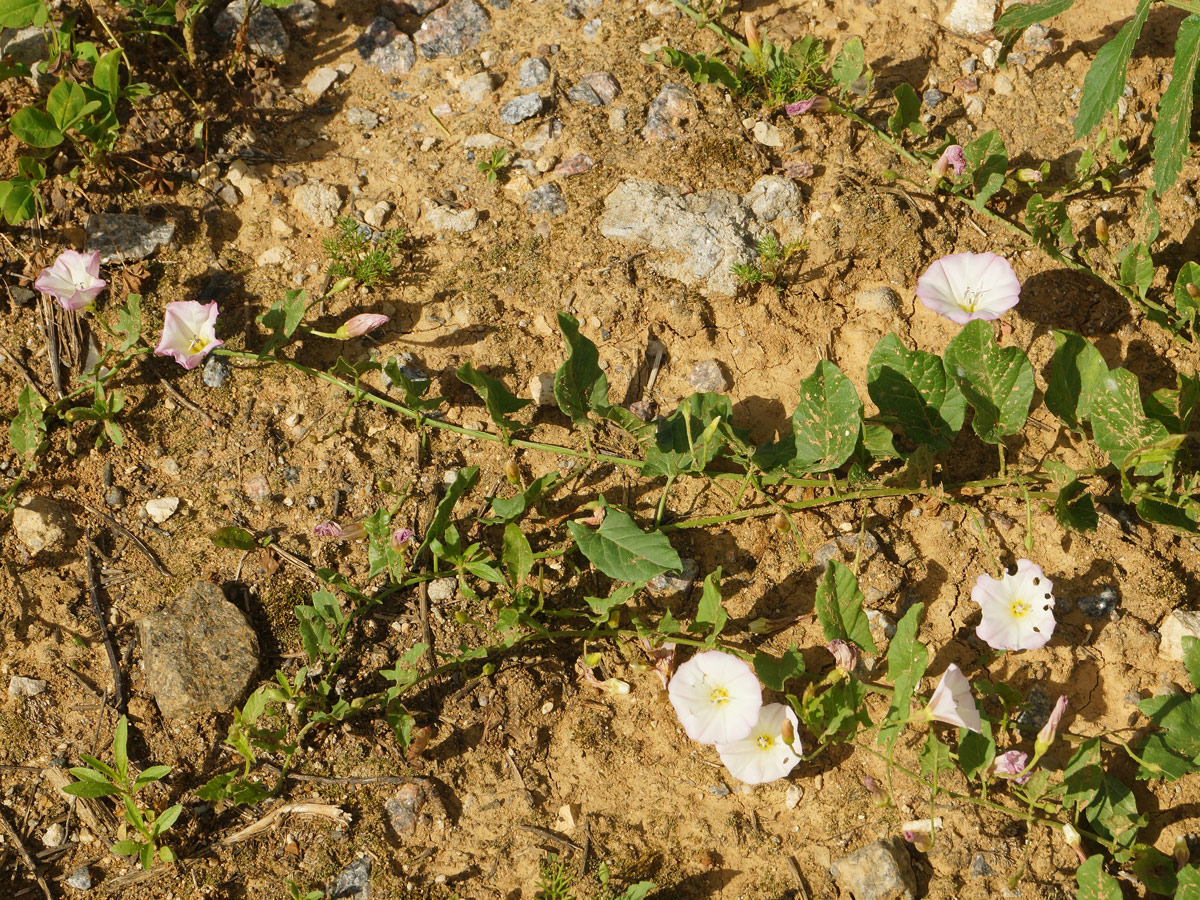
<point x="189" y="332"/>
<point x="1012" y="765"/>
<point x="73" y="280"/>
<point x="717" y="697"/>
<point x="951" y="160"/>
<point x="763" y="755"/>
<point x="966" y="286"/>
<point x="953" y="703"/>
<point x="1018" y="610"/>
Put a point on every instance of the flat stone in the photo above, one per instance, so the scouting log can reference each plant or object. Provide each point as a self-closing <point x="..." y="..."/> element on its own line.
<point x="595" y="89"/>
<point x="319" y="202"/>
<point x="478" y="86"/>
<point x="25" y="46"/>
<point x="454" y="28"/>
<point x="541" y="389"/>
<point x="1176" y="626"/>
<point x="707" y="377"/>
<point x="216" y="370"/>
<point x="445" y="218"/>
<point x="767" y="134"/>
<point x="266" y="34"/>
<point x="199" y="653"/>
<point x="484" y="141"/>
<point x="701" y="235"/>
<point x="41" y="524"/>
<point x="80" y="879"/>
<point x="521" y="108"/>
<point x="878" y="871"/>
<point x="932" y="97"/>
<point x="533" y="72"/>
<point x="124" y="238"/>
<point x="673" y="106"/>
<point x="361" y="118"/>
<point x="676" y="584"/>
<point x="443" y="589"/>
<point x="574" y="165"/>
<point x="547" y="200"/>
<point x="161" y="508"/>
<point x="878" y="299"/>
<point x="403" y="808"/>
<point x="20" y="686"/>
<point x="353" y="882"/>
<point x="301" y="14"/>
<point x="971" y="16"/>
<point x="243" y="176"/>
<point x="618" y="120"/>
<point x="377" y="214"/>
<point x="386" y="48"/>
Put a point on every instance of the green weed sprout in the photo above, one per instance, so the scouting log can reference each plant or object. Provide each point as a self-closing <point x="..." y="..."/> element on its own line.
<point x="354" y="252"/>
<point x="554" y="880"/>
<point x="494" y="166"/>
<point x="772" y="257"/>
<point x="98" y="779"/>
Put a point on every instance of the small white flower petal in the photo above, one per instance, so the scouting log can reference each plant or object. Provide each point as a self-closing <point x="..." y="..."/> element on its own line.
<point x="716" y="696"/>
<point x="763" y="755"/>
<point x="1018" y="609"/>
<point x="953" y="703"/>
<point x="965" y="286"/>
<point x="189" y="332"/>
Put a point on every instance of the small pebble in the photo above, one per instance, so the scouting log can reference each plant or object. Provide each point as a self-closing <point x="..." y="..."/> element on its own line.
<point x="706" y="376"/>
<point x="533" y="72"/>
<point x="54" y="835"/>
<point x="115" y="498"/>
<point x="80" y="879"/>
<point x="1101" y="603"/>
<point x="161" y="508"/>
<point x="216" y="370"/>
<point x="521" y="108"/>
<point x="257" y="488"/>
<point x="20" y="686"/>
<point x="443" y="589"/>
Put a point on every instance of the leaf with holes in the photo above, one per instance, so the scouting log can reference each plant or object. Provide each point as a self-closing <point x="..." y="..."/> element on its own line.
<point x="1094" y="883"/>
<point x="911" y="388"/>
<point x="1175" y="109"/>
<point x="1120" y="426"/>
<point x="826" y="422"/>
<point x="1076" y="371"/>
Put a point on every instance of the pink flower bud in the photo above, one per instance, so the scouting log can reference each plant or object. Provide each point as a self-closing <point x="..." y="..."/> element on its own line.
<point x="1050" y="730"/>
<point x="1029" y="176"/>
<point x="812" y="104"/>
<point x="357" y="326"/>
<point x="952" y="159"/>
<point x="355" y="531"/>
<point x="844" y="654"/>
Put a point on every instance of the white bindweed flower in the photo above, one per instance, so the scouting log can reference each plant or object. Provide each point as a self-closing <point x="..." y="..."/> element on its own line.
<point x="966" y="286"/>
<point x="73" y="280"/>
<point x="189" y="332"/>
<point x="1018" y="610"/>
<point x="763" y="755"/>
<point x="953" y="703"/>
<point x="716" y="696"/>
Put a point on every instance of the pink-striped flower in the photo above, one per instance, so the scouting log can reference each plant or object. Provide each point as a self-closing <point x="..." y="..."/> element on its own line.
<point x="189" y="332"/>
<point x="73" y="280"/>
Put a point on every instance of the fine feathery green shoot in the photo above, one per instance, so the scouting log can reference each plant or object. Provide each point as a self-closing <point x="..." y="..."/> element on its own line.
<point x="367" y="256"/>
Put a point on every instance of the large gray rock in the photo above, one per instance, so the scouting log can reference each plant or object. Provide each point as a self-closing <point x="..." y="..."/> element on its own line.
<point x="879" y="871"/>
<point x="200" y="653"/>
<point x="43" y="525"/>
<point x="265" y="34"/>
<point x="319" y="202"/>
<point x="385" y="47"/>
<point x="704" y="234"/>
<point x="449" y="31"/>
<point x="124" y="238"/>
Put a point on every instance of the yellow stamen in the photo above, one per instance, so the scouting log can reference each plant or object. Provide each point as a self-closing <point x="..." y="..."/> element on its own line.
<point x="765" y="741"/>
<point x="1019" y="609"/>
<point x="719" y="696"/>
<point x="197" y="344"/>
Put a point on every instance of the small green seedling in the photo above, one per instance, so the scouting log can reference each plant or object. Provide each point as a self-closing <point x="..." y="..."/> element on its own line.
<point x="772" y="257"/>
<point x="495" y="166"/>
<point x="98" y="779"/>
<point x="357" y="252"/>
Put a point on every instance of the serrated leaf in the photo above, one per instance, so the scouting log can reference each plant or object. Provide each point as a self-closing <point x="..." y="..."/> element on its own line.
<point x="1021" y="16"/>
<point x="1073" y="508"/>
<point x="517" y="555"/>
<point x="1048" y="223"/>
<point x="1175" y="109"/>
<point x="907" y="659"/>
<point x="911" y="387"/>
<point x="826" y="421"/>
<point x="1076" y="371"/>
<point x="1105" y="80"/>
<point x="775" y="673"/>
<point x="621" y="550"/>
<point x="35" y="127"/>
<point x="233" y="538"/>
<point x="464" y="482"/>
<point x="848" y="65"/>
<point x="1094" y="883"/>
<point x="1119" y="424"/>
<point x="997" y="381"/>
<point x="987" y="163"/>
<point x="908" y="111"/>
<point x="839" y="607"/>
<point x="710" y="613"/>
<point x="497" y="399"/>
<point x="580" y="386"/>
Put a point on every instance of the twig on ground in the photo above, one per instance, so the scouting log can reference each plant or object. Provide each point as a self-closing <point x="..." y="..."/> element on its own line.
<point x="553" y="837"/>
<point x="186" y="403"/>
<point x="136" y="541"/>
<point x="94" y="594"/>
<point x="305" y="809"/>
<point x="24" y="854"/>
<point x="51" y="335"/>
<point x="25" y="373"/>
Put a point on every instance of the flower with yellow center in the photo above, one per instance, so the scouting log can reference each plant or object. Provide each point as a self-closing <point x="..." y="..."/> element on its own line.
<point x="1018" y="609"/>
<point x="716" y="696"/>
<point x="763" y="755"/>
<point x="189" y="332"/>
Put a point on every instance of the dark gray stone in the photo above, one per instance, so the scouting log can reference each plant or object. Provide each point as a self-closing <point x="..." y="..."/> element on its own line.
<point x="1101" y="603"/>
<point x="353" y="882"/>
<point x="449" y="31"/>
<point x="932" y="98"/>
<point x="114" y="498"/>
<point x="879" y="871"/>
<point x="676" y="584"/>
<point x="669" y="110"/>
<point x="533" y="71"/>
<point x="266" y="34"/>
<point x="980" y="867"/>
<point x="386" y="48"/>
<point x="124" y="238"/>
<point x="200" y="654"/>
<point x="1034" y="712"/>
<point x="595" y="89"/>
<point x="546" y="201"/>
<point x="851" y="543"/>
<point x="301" y="14"/>
<point x="216" y="370"/>
<point x="521" y="108"/>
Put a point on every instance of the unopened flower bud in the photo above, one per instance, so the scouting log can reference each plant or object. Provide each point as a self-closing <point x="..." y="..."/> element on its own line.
<point x="878" y="796"/>
<point x="1050" y="730"/>
<point x="788" y="732"/>
<point x="844" y="654"/>
<point x="921" y="840"/>
<point x="1074" y="841"/>
<point x="357" y="326"/>
<point x="1029" y="176"/>
<point x="512" y="472"/>
<point x="1182" y="853"/>
<point x="355" y="531"/>
<point x="1101" y="230"/>
<point x="952" y="160"/>
<point x="781" y="523"/>
<point x="751" y="29"/>
<point x="812" y="104"/>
